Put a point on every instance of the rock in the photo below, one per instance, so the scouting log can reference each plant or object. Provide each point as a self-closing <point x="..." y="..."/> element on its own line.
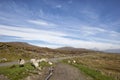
<point x="2" y="77"/>
<point x="3" y="60"/>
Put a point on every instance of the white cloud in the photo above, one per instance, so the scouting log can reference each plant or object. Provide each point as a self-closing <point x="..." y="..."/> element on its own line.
<point x="58" y="6"/>
<point x="96" y="34"/>
<point x="47" y="45"/>
<point x="90" y="13"/>
<point x="104" y="40"/>
<point x="52" y="37"/>
<point x="114" y="34"/>
<point x="91" y="30"/>
<point x="30" y="30"/>
<point x="42" y="22"/>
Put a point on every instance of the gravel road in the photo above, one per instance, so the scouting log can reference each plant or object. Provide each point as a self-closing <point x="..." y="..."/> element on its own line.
<point x="67" y="72"/>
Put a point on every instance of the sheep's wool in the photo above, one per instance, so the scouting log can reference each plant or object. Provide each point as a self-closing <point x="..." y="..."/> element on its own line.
<point x="22" y="62"/>
<point x="36" y="64"/>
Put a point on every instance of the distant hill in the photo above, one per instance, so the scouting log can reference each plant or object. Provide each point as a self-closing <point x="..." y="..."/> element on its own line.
<point x="70" y="48"/>
<point x="112" y="50"/>
<point x="75" y="50"/>
<point x="21" y="46"/>
<point x="16" y="50"/>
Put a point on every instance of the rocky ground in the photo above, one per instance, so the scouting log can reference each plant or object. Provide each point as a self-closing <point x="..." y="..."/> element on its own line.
<point x="2" y="77"/>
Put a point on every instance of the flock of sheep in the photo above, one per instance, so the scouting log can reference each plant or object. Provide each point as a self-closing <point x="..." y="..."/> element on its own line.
<point x="71" y="61"/>
<point x="34" y="62"/>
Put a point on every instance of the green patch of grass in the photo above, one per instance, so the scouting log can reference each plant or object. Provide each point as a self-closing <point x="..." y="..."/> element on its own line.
<point x="96" y="75"/>
<point x="44" y="64"/>
<point x="15" y="72"/>
<point x="93" y="73"/>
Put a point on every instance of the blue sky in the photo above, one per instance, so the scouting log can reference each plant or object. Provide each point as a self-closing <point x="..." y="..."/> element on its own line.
<point x="87" y="24"/>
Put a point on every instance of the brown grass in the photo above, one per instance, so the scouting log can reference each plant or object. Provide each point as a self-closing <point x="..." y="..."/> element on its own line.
<point x="108" y="64"/>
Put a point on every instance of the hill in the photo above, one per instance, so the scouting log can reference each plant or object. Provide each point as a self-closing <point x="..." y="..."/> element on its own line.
<point x="113" y="50"/>
<point x="69" y="48"/>
<point x="75" y="50"/>
<point x="16" y="50"/>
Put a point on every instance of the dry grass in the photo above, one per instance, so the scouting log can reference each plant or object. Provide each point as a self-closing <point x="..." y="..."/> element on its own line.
<point x="107" y="64"/>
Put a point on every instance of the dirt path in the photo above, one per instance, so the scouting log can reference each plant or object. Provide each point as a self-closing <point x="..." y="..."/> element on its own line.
<point x="38" y="75"/>
<point x="61" y="72"/>
<point x="67" y="72"/>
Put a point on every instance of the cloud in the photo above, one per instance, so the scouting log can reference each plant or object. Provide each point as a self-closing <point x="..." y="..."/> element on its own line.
<point x="88" y="31"/>
<point x="58" y="6"/>
<point x="41" y="12"/>
<point x="52" y="37"/>
<point x="29" y="30"/>
<point x="90" y="13"/>
<point x="42" y="22"/>
<point x="114" y="34"/>
<point x="47" y="45"/>
<point x="92" y="31"/>
<point x="95" y="34"/>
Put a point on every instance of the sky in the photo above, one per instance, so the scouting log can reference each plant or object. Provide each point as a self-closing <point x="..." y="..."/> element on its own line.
<point x="90" y="24"/>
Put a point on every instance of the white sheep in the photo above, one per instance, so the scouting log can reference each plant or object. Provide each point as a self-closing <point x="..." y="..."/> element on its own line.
<point x="40" y="60"/>
<point x="43" y="59"/>
<point x="35" y="63"/>
<point x="74" y="61"/>
<point x="69" y="61"/>
<point x="50" y="63"/>
<point x="32" y="60"/>
<point x="21" y="62"/>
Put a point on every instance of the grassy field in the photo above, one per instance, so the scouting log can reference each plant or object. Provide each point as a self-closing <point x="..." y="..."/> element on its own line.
<point x="92" y="72"/>
<point x="16" y="73"/>
<point x="99" y="66"/>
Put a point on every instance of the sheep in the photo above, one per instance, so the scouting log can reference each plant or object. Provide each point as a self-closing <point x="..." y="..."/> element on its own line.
<point x="43" y="59"/>
<point x="74" y="61"/>
<point x="32" y="60"/>
<point x="69" y="61"/>
<point x="3" y="60"/>
<point x="35" y="63"/>
<point x="21" y="62"/>
<point x="40" y="60"/>
<point x="50" y="63"/>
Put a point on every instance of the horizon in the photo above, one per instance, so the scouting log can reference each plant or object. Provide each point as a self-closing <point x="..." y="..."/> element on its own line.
<point x="89" y="24"/>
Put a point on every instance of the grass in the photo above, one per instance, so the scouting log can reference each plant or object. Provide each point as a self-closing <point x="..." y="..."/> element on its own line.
<point x="44" y="64"/>
<point x="96" y="75"/>
<point x="107" y="64"/>
<point x="16" y="73"/>
<point x="93" y="73"/>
